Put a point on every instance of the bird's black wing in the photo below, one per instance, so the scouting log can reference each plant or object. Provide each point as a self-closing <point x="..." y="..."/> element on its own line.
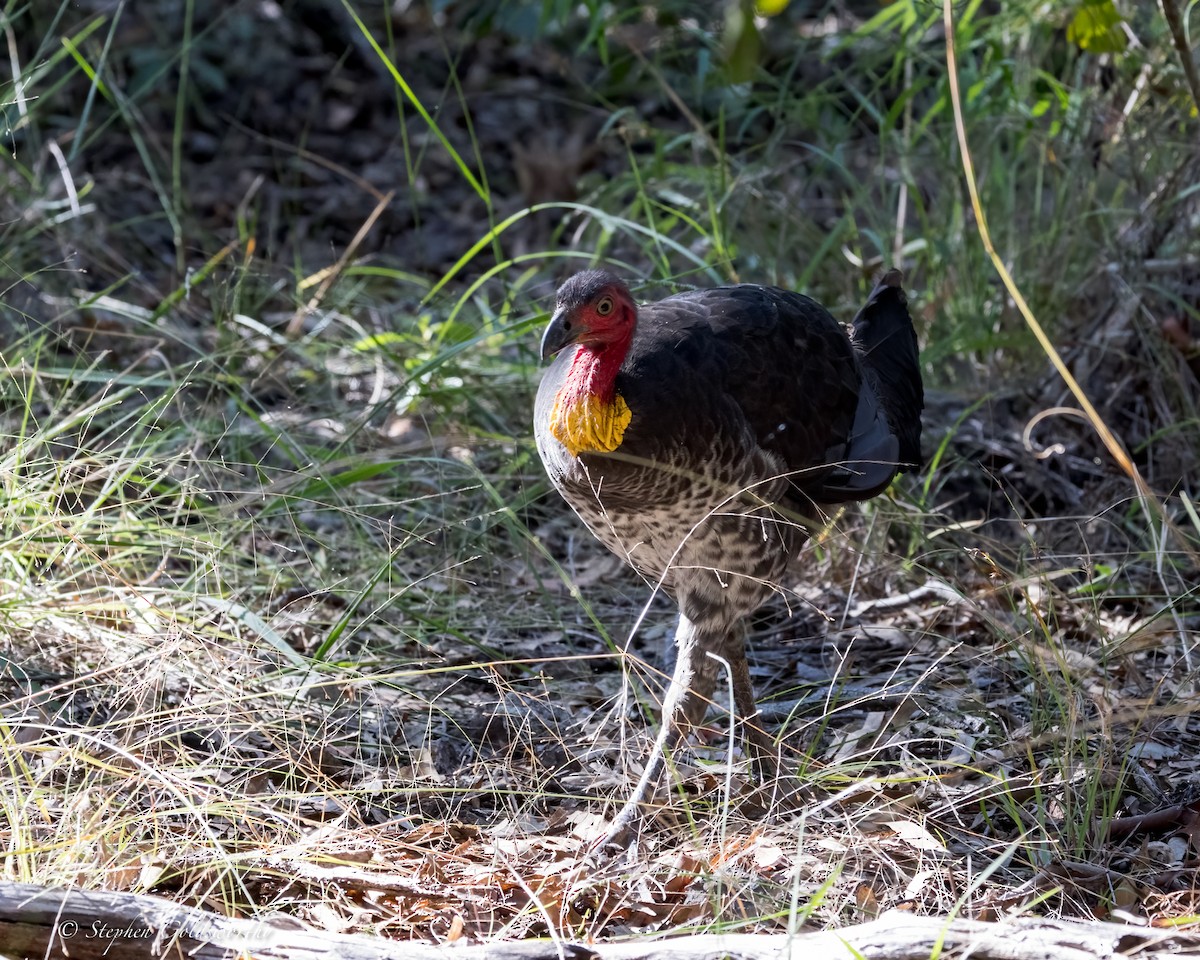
<point x="743" y="371"/>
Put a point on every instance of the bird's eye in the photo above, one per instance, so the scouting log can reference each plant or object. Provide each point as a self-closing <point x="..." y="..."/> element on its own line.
<point x="605" y="306"/>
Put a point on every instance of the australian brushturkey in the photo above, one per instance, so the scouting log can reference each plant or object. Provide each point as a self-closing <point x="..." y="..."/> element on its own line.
<point x="700" y="436"/>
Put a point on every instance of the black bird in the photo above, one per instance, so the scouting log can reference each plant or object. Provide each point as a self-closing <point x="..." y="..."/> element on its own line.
<point x="696" y="435"/>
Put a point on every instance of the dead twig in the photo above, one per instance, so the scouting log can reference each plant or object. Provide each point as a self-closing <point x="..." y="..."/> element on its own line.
<point x="1174" y="19"/>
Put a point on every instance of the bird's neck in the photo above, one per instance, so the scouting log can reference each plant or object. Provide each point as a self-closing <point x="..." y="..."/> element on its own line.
<point x="594" y="368"/>
<point x="589" y="415"/>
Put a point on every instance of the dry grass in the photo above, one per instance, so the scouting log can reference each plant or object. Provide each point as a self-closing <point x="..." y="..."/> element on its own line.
<point x="293" y="625"/>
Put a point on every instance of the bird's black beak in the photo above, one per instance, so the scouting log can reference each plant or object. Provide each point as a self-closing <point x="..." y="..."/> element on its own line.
<point x="560" y="333"/>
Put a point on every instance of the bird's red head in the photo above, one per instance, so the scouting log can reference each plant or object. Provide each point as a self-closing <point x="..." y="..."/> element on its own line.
<point x="595" y="311"/>
<point x="593" y="308"/>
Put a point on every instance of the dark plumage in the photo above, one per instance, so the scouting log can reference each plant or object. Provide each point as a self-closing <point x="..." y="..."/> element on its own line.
<point x="694" y="437"/>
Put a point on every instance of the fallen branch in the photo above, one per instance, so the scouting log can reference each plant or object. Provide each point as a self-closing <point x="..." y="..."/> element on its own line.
<point x="88" y="925"/>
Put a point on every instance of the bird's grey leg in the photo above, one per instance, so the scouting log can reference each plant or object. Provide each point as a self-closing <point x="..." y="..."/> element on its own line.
<point x="680" y="703"/>
<point x="700" y="653"/>
<point x="762" y="744"/>
<point x="695" y="676"/>
<point x="688" y="696"/>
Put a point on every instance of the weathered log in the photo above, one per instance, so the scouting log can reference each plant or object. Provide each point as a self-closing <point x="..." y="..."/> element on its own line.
<point x="39" y="922"/>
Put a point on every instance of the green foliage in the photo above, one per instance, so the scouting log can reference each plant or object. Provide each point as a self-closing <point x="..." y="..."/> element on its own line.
<point x="743" y="46"/>
<point x="1097" y="27"/>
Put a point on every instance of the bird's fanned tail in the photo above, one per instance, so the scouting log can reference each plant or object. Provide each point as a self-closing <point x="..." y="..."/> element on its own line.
<point x="884" y="335"/>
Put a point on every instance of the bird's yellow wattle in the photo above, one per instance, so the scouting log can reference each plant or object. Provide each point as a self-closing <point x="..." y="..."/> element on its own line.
<point x="588" y="423"/>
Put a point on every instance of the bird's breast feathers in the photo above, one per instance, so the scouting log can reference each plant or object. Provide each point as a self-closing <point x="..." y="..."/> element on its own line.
<point x="585" y="422"/>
